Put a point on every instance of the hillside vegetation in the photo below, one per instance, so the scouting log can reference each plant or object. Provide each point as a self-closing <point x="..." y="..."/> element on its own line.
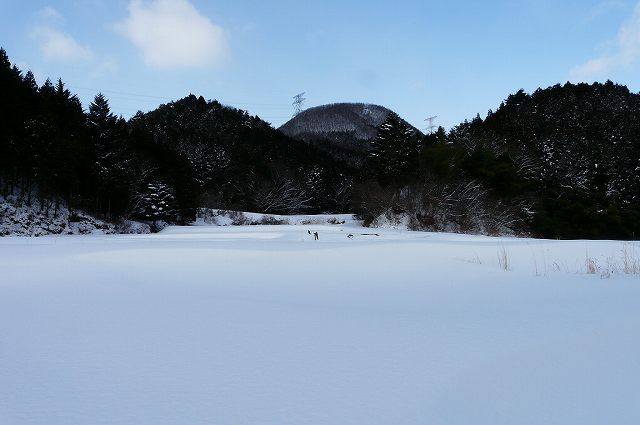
<point x="563" y="162"/>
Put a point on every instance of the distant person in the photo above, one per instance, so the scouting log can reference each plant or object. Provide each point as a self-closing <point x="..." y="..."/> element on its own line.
<point x="315" y="236"/>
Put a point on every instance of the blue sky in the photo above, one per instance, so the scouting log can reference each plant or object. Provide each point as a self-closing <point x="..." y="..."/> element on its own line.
<point x="420" y="58"/>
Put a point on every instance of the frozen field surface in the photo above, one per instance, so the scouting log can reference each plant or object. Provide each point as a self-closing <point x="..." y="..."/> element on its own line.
<point x="263" y="325"/>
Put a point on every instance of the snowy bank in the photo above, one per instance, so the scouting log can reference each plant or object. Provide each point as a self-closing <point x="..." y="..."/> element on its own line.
<point x="216" y="217"/>
<point x="41" y="217"/>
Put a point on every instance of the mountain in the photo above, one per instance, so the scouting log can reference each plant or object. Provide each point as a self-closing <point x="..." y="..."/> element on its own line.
<point x="349" y="126"/>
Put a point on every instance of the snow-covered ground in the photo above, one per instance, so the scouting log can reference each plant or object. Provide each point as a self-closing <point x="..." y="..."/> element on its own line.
<point x="264" y="325"/>
<point x="44" y="217"/>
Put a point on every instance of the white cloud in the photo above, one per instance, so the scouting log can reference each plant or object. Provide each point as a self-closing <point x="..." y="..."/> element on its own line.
<point x="58" y="45"/>
<point x="625" y="52"/>
<point x="173" y="34"/>
<point x="50" y="14"/>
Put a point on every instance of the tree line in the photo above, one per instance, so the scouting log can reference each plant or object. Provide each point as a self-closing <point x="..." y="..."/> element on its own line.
<point x="563" y="162"/>
<point x="156" y="166"/>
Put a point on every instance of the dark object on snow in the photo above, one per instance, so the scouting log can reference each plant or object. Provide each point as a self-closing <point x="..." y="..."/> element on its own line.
<point x="315" y="236"/>
<point x="370" y="234"/>
<point x="350" y="236"/>
<point x="309" y="231"/>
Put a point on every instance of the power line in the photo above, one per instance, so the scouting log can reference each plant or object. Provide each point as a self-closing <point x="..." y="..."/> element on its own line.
<point x="298" y="102"/>
<point x="122" y="94"/>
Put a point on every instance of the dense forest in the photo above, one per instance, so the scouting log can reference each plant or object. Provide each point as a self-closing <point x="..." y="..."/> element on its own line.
<point x="156" y="166"/>
<point x="572" y="151"/>
<point x="563" y="162"/>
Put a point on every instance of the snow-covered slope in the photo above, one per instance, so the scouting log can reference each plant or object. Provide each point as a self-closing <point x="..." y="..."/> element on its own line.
<point x="349" y="125"/>
<point x="358" y="119"/>
<point x="46" y="218"/>
<point x="264" y="325"/>
<point x="40" y="218"/>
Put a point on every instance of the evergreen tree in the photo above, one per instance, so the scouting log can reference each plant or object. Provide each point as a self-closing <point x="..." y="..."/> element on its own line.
<point x="158" y="202"/>
<point x="110" y="161"/>
<point x="394" y="151"/>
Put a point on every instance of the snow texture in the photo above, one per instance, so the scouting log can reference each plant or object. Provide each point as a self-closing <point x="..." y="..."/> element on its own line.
<point x="263" y="325"/>
<point x="45" y="218"/>
<point x="351" y="125"/>
<point x="41" y="218"/>
<point x="209" y="217"/>
<point x="360" y="119"/>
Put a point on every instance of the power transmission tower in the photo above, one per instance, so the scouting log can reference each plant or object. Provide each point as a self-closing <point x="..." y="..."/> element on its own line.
<point x="298" y="103"/>
<point x="431" y="127"/>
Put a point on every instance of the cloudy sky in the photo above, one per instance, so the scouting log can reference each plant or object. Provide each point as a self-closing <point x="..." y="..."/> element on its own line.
<point x="418" y="57"/>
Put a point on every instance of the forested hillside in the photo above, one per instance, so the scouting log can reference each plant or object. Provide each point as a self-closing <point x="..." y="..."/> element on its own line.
<point x="344" y="130"/>
<point x="156" y="166"/>
<point x="576" y="149"/>
<point x="563" y="162"/>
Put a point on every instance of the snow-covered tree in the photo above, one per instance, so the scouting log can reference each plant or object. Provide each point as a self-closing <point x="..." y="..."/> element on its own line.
<point x="394" y="151"/>
<point x="157" y="202"/>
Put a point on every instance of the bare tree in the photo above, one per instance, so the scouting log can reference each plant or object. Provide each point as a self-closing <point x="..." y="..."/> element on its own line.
<point x="458" y="205"/>
<point x="281" y="195"/>
<point x="527" y="166"/>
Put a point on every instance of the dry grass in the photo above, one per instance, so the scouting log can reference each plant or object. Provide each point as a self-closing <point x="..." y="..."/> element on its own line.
<point x="591" y="265"/>
<point x="503" y="259"/>
<point x="630" y="259"/>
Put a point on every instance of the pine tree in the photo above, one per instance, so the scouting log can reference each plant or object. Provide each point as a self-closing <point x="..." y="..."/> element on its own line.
<point x="157" y="202"/>
<point x="100" y="116"/>
<point x="30" y="81"/>
<point x="394" y="151"/>
<point x="108" y="135"/>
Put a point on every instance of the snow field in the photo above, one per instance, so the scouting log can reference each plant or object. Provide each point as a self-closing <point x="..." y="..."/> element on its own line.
<point x="263" y="325"/>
